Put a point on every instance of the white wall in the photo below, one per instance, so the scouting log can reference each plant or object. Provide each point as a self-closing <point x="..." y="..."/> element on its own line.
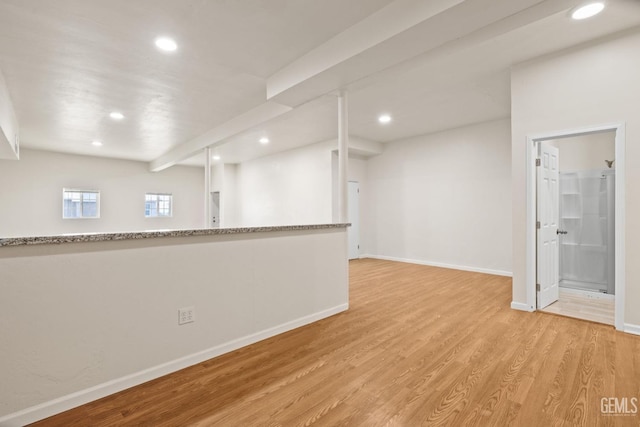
<point x="75" y="328"/>
<point x="31" y="194"/>
<point x="586" y="152"/>
<point x="230" y="214"/>
<point x="292" y="187"/>
<point x="588" y="86"/>
<point x="9" y="140"/>
<point x="224" y="180"/>
<point x="443" y="199"/>
<point x="358" y="173"/>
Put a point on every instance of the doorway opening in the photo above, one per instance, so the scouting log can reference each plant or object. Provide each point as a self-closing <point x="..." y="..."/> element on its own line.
<point x="575" y="223"/>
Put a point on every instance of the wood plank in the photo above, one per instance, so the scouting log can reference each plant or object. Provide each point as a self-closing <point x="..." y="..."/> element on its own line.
<point x="419" y="346"/>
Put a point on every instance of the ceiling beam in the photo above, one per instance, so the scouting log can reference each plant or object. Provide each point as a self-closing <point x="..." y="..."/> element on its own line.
<point x="362" y="147"/>
<point x="218" y="135"/>
<point x="396" y="33"/>
<point x="378" y="27"/>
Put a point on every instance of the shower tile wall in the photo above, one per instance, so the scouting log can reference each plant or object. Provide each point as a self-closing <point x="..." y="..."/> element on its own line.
<point x="586" y="213"/>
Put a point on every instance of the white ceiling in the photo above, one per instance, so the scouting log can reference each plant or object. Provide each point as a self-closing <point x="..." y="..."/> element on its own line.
<point x="68" y="63"/>
<point x="456" y="86"/>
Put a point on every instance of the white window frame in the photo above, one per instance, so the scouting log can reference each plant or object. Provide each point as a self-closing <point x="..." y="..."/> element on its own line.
<point x="82" y="191"/>
<point x="158" y="205"/>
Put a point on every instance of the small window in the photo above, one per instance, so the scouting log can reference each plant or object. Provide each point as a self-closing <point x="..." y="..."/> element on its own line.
<point x="158" y="205"/>
<point x="80" y="203"/>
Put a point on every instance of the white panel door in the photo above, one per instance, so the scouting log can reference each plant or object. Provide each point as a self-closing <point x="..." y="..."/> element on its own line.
<point x="353" y="232"/>
<point x="548" y="218"/>
<point x="215" y="209"/>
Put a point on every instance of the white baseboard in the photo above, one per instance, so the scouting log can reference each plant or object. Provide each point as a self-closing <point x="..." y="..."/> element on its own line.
<point x="442" y="265"/>
<point x="56" y="406"/>
<point x="632" y="329"/>
<point x="521" y="306"/>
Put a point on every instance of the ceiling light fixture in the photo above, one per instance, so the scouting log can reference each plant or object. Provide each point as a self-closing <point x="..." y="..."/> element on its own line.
<point x="96" y="144"/>
<point x="384" y="119"/>
<point x="166" y="44"/>
<point x="116" y="115"/>
<point x="216" y="157"/>
<point x="587" y="11"/>
<point x="264" y="140"/>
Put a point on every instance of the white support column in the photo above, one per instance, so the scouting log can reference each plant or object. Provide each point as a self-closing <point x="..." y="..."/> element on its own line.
<point x="343" y="157"/>
<point x="207" y="187"/>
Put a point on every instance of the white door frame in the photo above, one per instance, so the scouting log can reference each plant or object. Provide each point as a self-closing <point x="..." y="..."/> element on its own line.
<point x="532" y="152"/>
<point x="354" y="230"/>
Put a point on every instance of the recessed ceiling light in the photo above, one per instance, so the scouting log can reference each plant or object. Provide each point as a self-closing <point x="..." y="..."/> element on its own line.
<point x="96" y="144"/>
<point x="587" y="11"/>
<point x="216" y="157"/>
<point x="116" y="115"/>
<point x="264" y="140"/>
<point x="385" y="118"/>
<point x="166" y="44"/>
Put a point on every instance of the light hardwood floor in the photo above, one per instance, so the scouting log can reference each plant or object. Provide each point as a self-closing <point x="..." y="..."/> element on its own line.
<point x="587" y="306"/>
<point x="419" y="346"/>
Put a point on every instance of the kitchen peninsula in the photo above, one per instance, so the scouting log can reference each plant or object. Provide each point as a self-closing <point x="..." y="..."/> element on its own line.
<point x="87" y="315"/>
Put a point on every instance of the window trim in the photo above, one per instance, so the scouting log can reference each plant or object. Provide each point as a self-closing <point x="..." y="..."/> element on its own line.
<point x="78" y="190"/>
<point x="157" y="205"/>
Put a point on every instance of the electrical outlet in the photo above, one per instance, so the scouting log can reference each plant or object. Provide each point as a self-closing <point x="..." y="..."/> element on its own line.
<point x="186" y="315"/>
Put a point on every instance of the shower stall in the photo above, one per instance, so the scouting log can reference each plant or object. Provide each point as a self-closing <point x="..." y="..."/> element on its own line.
<point x="587" y="230"/>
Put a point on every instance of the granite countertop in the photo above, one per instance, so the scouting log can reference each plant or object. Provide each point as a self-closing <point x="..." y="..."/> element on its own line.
<point x="103" y="237"/>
